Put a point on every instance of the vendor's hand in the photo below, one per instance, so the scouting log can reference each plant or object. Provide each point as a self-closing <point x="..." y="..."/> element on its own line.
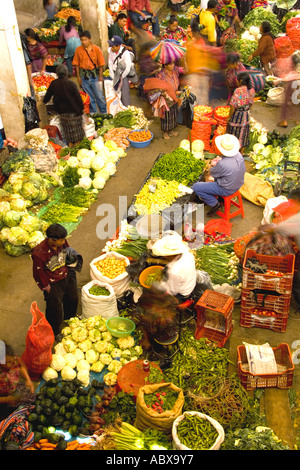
<point x="47" y="289"/>
<point x="30" y="385"/>
<point x="215" y="161"/>
<point x="250" y="58"/>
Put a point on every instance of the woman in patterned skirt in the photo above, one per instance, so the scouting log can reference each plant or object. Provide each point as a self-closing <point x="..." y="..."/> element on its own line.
<point x="170" y="74"/>
<point x="240" y="104"/>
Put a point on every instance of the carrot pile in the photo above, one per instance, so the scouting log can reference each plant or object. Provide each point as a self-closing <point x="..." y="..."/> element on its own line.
<point x="66" y="12"/>
<point x="140" y="136"/>
<point x="44" y="444"/>
<point x="119" y="136"/>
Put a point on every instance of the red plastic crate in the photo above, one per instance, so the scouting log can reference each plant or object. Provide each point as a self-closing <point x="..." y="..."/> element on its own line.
<point x="279" y="304"/>
<point x="214" y="317"/>
<point x="282" y="379"/>
<point x="278" y="323"/>
<point x="283" y="264"/>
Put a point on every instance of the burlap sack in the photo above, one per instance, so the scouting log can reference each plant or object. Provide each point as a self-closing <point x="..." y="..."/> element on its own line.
<point x="148" y="418"/>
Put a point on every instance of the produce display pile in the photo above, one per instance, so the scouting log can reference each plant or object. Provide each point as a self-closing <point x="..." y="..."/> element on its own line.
<point x="269" y="151"/>
<point x="49" y="31"/>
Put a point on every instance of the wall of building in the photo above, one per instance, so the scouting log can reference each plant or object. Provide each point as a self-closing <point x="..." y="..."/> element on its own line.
<point x="30" y="13"/>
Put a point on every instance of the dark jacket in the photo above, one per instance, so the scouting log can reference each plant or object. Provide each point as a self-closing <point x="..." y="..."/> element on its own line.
<point x="266" y="49"/>
<point x="66" y="96"/>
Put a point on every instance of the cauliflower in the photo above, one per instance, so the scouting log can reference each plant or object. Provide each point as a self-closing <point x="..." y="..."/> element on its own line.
<point x="58" y="362"/>
<point x="69" y="344"/>
<point x="138" y="349"/>
<point x="78" y="354"/>
<point x="106" y="336"/>
<point x="67" y="373"/>
<point x="66" y="331"/>
<point x="116" y="352"/>
<point x="110" y="348"/>
<point x="90" y="323"/>
<point x="110" y="378"/>
<point x="94" y="335"/>
<point x="84" y="377"/>
<point x="125" y="354"/>
<point x="115" y="366"/>
<point x="49" y="374"/>
<point x="70" y="360"/>
<point x="85" y="345"/>
<point x="101" y="346"/>
<point x="97" y="366"/>
<point x="79" y="334"/>
<point x="126" y="343"/>
<point x="74" y="322"/>
<point x="105" y="358"/>
<point x="83" y="364"/>
<point x="59" y="349"/>
<point x="100" y="324"/>
<point x="91" y="356"/>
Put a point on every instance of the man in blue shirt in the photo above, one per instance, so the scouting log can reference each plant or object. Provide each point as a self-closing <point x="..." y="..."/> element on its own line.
<point x="226" y="173"/>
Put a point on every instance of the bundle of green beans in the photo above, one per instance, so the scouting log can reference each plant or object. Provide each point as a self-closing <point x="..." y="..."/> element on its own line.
<point x="198" y="361"/>
<point x="196" y="433"/>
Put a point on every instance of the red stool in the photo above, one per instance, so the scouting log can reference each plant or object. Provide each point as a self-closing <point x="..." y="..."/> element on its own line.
<point x="228" y="202"/>
<point x="52" y="131"/>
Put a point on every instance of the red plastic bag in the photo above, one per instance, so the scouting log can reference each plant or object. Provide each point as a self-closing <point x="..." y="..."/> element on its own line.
<point x="218" y="225"/>
<point x="38" y="344"/>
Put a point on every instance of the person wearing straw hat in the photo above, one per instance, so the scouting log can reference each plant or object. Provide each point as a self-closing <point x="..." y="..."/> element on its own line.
<point x="225" y="174"/>
<point x="180" y="273"/>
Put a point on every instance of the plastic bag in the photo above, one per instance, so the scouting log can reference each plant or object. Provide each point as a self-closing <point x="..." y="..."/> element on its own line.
<point x="276" y="96"/>
<point x="93" y="305"/>
<point x="31" y="114"/>
<point x="38" y="343"/>
<point x="120" y="283"/>
<point x="113" y="99"/>
<point x="269" y="208"/>
<point x="44" y="159"/>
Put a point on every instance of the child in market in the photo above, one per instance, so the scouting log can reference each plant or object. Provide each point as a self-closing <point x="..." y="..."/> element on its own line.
<point x="15" y="383"/>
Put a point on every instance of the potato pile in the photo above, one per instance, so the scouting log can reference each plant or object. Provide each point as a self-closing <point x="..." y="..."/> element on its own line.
<point x="111" y="267"/>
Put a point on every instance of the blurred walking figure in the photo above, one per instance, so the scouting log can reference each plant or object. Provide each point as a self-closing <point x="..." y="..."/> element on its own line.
<point x="197" y="66"/>
<point x="290" y="107"/>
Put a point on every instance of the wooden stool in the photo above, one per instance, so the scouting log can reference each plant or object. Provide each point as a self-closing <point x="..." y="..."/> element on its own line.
<point x="228" y="202"/>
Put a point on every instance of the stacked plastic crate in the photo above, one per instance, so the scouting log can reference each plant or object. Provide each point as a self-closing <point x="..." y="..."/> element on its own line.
<point x="266" y="295"/>
<point x="214" y="317"/>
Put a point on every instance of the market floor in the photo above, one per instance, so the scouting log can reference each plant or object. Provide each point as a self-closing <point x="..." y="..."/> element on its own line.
<point x="18" y="289"/>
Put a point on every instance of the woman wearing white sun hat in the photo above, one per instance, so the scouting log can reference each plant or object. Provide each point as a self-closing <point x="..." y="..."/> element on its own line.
<point x="226" y="173"/>
<point x="180" y="273"/>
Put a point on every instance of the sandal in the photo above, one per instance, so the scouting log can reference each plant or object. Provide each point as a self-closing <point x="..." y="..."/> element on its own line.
<point x="282" y="124"/>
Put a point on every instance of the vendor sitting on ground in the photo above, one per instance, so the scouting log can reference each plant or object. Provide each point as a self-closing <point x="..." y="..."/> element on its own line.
<point x="225" y="174"/>
<point x="15" y="383"/>
<point x="180" y="273"/>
